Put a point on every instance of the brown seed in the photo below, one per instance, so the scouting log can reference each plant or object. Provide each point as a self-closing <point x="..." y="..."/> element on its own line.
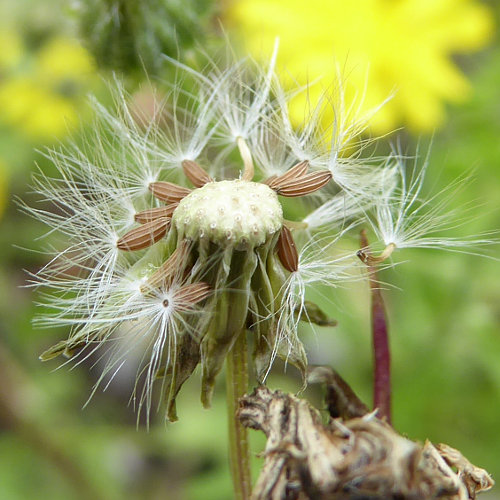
<point x="144" y="236"/>
<point x="195" y="173"/>
<point x="287" y="251"/>
<point x="269" y="181"/>
<point x="166" y="191"/>
<point x="155" y="213"/>
<point x="296" y="172"/>
<point x="188" y="295"/>
<point x="304" y="185"/>
<point x="166" y="272"/>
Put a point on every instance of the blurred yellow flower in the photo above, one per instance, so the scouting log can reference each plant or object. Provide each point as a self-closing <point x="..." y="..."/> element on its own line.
<point x="401" y="46"/>
<point x="64" y="59"/>
<point x="41" y="96"/>
<point x="11" y="49"/>
<point x="37" y="111"/>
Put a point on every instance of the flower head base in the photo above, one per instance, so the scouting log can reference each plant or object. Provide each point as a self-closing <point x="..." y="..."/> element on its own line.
<point x="237" y="213"/>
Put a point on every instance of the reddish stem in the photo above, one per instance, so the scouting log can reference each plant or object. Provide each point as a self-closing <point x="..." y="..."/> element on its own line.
<point x="381" y="351"/>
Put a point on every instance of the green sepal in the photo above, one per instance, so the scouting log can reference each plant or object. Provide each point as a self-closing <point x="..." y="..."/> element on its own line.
<point x="264" y="321"/>
<point x="312" y="313"/>
<point x="66" y="347"/>
<point x="54" y="351"/>
<point x="229" y="317"/>
<point x="186" y="358"/>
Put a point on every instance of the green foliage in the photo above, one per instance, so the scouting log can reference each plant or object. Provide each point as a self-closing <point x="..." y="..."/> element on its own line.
<point x="127" y="35"/>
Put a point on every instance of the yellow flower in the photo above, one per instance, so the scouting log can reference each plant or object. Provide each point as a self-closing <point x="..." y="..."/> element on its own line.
<point x="399" y="45"/>
<point x="42" y="96"/>
<point x="64" y="59"/>
<point x="11" y="49"/>
<point x="39" y="112"/>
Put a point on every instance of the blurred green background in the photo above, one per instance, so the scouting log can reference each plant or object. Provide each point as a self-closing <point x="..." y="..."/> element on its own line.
<point x="442" y="57"/>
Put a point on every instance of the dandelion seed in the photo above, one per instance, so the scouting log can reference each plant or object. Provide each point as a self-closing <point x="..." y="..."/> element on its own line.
<point x="145" y="235"/>
<point x="404" y="218"/>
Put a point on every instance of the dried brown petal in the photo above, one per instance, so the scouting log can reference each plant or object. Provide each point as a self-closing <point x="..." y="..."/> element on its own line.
<point x="347" y="459"/>
<point x="287" y="251"/>
<point x="340" y="399"/>
<point x="167" y="270"/>
<point x="166" y="191"/>
<point x="188" y="295"/>
<point x="474" y="478"/>
<point x="144" y="236"/>
<point x="304" y="185"/>
<point x="195" y="173"/>
<point x="155" y="213"/>
<point x="296" y="172"/>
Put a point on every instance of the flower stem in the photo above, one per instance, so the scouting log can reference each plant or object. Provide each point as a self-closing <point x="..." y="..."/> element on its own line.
<point x="237" y="386"/>
<point x="381" y="351"/>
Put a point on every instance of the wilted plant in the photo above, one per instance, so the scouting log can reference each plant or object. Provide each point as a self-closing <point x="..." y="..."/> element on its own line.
<point x="180" y="242"/>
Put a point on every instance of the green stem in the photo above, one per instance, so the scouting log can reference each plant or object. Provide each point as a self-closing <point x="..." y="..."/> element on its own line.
<point x="237" y="386"/>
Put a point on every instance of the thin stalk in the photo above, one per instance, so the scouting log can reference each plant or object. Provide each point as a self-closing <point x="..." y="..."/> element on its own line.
<point x="246" y="155"/>
<point x="237" y="386"/>
<point x="380" y="338"/>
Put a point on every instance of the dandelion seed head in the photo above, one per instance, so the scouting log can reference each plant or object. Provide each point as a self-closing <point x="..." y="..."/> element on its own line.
<point x="175" y="246"/>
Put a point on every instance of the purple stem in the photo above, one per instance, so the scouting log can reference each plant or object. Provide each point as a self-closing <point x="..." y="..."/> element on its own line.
<point x="381" y="351"/>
